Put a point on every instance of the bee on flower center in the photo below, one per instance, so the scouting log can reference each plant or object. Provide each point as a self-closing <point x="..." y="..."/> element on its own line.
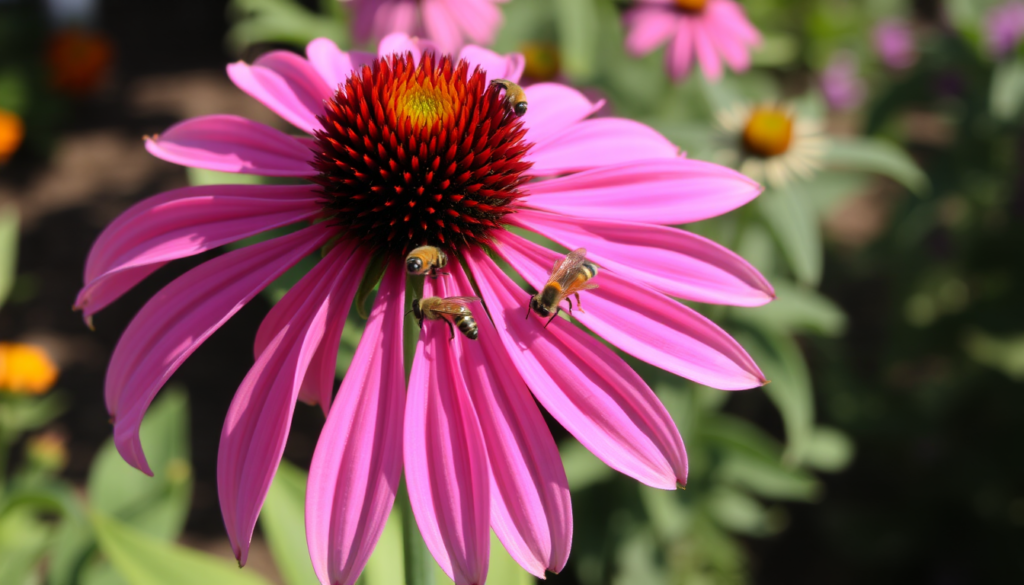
<point x="515" y="97"/>
<point x="426" y="259"/>
<point x="569" y="276"/>
<point x="434" y="308"/>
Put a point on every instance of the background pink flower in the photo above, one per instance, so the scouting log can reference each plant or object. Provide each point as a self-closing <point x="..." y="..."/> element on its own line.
<point x="895" y="44"/>
<point x="402" y="150"/>
<point x="841" y="83"/>
<point x="714" y="30"/>
<point x="1004" y="27"/>
<point x="448" y="23"/>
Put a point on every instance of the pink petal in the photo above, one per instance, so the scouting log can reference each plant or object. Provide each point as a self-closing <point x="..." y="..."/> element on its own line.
<point x="287" y="84"/>
<point x="732" y="49"/>
<point x="710" y="65"/>
<point x="674" y="261"/>
<point x="441" y="26"/>
<point x="446" y="465"/>
<point x="646" y="324"/>
<point x="396" y="17"/>
<point x="257" y="423"/>
<point x="679" y="56"/>
<point x="649" y="28"/>
<point x="660" y="191"/>
<point x="530" y="508"/>
<point x="401" y="43"/>
<point x="180" y="317"/>
<point x="496" y="66"/>
<point x="553" y="107"/>
<point x="318" y="385"/>
<point x="182" y="223"/>
<point x="232" y="144"/>
<point x="730" y="15"/>
<point x="596" y="143"/>
<point x="334" y="65"/>
<point x="584" y="385"/>
<point x="478" y="19"/>
<point x="358" y="460"/>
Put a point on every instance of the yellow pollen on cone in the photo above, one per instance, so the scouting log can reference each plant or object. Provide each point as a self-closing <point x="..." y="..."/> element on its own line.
<point x="769" y="132"/>
<point x="691" y="5"/>
<point x="25" y="369"/>
<point x="423" y="105"/>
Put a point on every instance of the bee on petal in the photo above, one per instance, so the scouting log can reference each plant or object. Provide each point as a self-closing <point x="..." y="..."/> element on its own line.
<point x="515" y="97"/>
<point x="426" y="259"/>
<point x="569" y="276"/>
<point x="448" y="309"/>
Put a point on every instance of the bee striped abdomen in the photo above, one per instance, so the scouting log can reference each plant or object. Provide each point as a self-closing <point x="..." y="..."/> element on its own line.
<point x="467" y="325"/>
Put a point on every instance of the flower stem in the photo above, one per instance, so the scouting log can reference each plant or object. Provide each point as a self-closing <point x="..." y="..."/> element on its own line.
<point x="419" y="566"/>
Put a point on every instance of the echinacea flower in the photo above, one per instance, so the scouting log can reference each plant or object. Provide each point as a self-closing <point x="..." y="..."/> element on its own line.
<point x="448" y="23"/>
<point x="1004" y="27"/>
<point x="713" y="30"/>
<point x="771" y="142"/>
<point x="407" y="148"/>
<point x="894" y="42"/>
<point x="26" y="369"/>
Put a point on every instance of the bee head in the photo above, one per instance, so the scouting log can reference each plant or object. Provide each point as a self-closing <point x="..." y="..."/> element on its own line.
<point x="519" y="108"/>
<point x="539" y="308"/>
<point x="413" y="265"/>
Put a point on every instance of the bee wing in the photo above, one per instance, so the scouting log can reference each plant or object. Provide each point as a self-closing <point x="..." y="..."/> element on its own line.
<point x="454" y="305"/>
<point x="565" y="274"/>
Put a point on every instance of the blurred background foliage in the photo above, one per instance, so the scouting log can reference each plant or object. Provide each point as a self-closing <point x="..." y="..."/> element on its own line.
<point x="887" y="445"/>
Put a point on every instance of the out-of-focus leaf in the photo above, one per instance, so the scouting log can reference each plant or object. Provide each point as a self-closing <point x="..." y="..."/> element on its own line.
<point x="741" y="436"/>
<point x="756" y="247"/>
<point x="23" y="539"/>
<point x="9" y="220"/>
<point x="776" y="50"/>
<point x="283" y="522"/>
<point x="738" y="512"/>
<point x="386" y="565"/>
<point x="582" y="468"/>
<point x="20" y="413"/>
<point x="877" y="155"/>
<point x="372" y="276"/>
<point x="796" y="309"/>
<point x="282" y="21"/>
<point x="1007" y="93"/>
<point x="72" y="542"/>
<point x="199" y="177"/>
<point x="768" y="479"/>
<point x="146" y="560"/>
<point x="155" y="505"/>
<point x="578" y="32"/>
<point x="670" y="519"/>
<point x="1005" y="354"/>
<point x="99" y="571"/>
<point x="830" y="450"/>
<point x="525" y="21"/>
<point x="637" y="561"/>
<point x="791" y="218"/>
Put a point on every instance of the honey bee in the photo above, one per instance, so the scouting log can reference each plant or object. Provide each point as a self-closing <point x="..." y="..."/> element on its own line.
<point x="515" y="97"/>
<point x="569" y="276"/>
<point x="426" y="259"/>
<point x="432" y="308"/>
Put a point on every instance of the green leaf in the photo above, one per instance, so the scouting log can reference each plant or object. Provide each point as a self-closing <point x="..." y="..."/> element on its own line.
<point x="768" y="479"/>
<point x="281" y="21"/>
<point x="200" y="177"/>
<point x="156" y="505"/>
<point x="372" y="276"/>
<point x="578" y="33"/>
<point x="796" y="309"/>
<point x="792" y="220"/>
<point x="283" y="522"/>
<point x="23" y="540"/>
<point x="386" y="565"/>
<point x="9" y="221"/>
<point x="830" y="450"/>
<point x="21" y="413"/>
<point x="738" y="512"/>
<point x="879" y="156"/>
<point x="1007" y="93"/>
<point x="776" y="50"/>
<point x="1005" y="354"/>
<point x="146" y="560"/>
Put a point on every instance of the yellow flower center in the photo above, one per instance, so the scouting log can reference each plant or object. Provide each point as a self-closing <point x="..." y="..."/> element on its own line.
<point x="25" y="369"/>
<point x="691" y="5"/>
<point x="542" y="60"/>
<point x="423" y="105"/>
<point x="12" y="132"/>
<point x="769" y="132"/>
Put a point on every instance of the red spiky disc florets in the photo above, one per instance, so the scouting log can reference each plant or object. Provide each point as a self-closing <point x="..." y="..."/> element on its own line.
<point x="412" y="155"/>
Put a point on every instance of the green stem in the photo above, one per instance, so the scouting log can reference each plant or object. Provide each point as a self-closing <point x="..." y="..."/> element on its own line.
<point x="419" y="566"/>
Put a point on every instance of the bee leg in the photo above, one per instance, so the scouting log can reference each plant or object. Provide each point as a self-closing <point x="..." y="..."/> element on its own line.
<point x="578" y="305"/>
<point x="527" y="311"/>
<point x="451" y="330"/>
<point x="552" y="318"/>
<point x="568" y="300"/>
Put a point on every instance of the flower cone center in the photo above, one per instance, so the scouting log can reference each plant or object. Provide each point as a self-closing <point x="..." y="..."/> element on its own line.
<point x="414" y="155"/>
<point x="769" y="132"/>
<point x="691" y="5"/>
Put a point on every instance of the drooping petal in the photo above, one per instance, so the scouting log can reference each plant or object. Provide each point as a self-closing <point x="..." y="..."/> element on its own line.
<point x="181" y="223"/>
<point x="679" y="56"/>
<point x="318" y="385"/>
<point x="446" y="465"/>
<point x="661" y="191"/>
<point x="710" y="64"/>
<point x="334" y="65"/>
<point x="591" y="391"/>
<point x="441" y="26"/>
<point x="730" y="15"/>
<point x="478" y="19"/>
<point x="232" y="144"/>
<point x="496" y="66"/>
<point x="649" y="28"/>
<point x="530" y="507"/>
<point x="596" y="143"/>
<point x="357" y="464"/>
<point x="553" y="107"/>
<point x="676" y="262"/>
<point x="180" y="317"/>
<point x="260" y="416"/>
<point x="733" y="51"/>
<point x="646" y="324"/>
<point x="287" y="84"/>
<point x="400" y="43"/>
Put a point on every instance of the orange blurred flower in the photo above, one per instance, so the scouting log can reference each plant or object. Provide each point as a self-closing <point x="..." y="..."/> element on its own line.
<point x="78" y="60"/>
<point x="12" y="132"/>
<point x="25" y="369"/>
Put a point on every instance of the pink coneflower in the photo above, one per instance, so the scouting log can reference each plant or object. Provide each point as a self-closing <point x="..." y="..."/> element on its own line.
<point x="894" y="42"/>
<point x="1004" y="27"/>
<point x="405" y="149"/>
<point x="841" y="84"/>
<point x="716" y="30"/>
<point x="448" y="23"/>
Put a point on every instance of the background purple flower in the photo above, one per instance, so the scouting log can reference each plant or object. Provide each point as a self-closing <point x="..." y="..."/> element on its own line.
<point x="841" y="83"/>
<point x="894" y="42"/>
<point x="1004" y="27"/>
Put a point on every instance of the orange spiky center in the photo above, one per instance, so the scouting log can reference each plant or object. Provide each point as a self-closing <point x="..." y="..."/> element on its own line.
<point x="413" y="155"/>
<point x="769" y="132"/>
<point x="691" y="5"/>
